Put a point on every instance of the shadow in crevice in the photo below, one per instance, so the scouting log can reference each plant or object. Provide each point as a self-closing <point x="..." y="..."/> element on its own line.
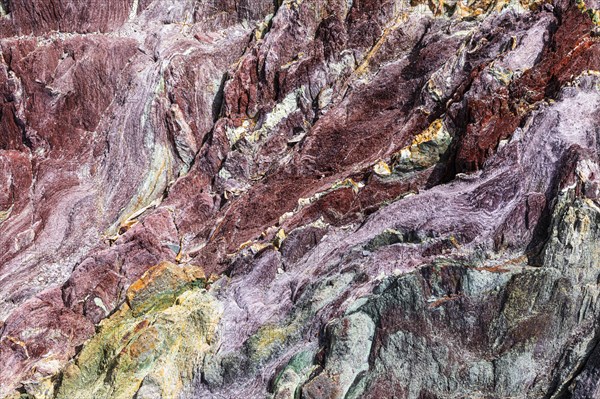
<point x="218" y="102"/>
<point x="591" y="364"/>
<point x="543" y="228"/>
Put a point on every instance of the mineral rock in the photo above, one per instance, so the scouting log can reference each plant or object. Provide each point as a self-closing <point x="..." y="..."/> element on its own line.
<point x="299" y="199"/>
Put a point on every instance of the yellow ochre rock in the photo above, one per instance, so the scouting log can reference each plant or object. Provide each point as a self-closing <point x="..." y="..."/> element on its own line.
<point x="153" y="343"/>
<point x="382" y="169"/>
<point x="425" y="150"/>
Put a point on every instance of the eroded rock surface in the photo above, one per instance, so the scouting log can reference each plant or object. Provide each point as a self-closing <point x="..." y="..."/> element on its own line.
<point x="299" y="199"/>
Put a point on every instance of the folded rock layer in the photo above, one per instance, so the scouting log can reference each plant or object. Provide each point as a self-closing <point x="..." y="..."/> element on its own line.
<point x="299" y="199"/>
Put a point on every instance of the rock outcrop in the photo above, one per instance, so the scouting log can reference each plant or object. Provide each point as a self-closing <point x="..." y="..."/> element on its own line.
<point x="299" y="199"/>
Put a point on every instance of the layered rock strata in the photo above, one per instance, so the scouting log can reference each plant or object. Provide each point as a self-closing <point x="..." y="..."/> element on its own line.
<point x="299" y="199"/>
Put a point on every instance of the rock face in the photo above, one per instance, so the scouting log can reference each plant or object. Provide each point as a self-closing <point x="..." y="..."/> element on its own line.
<point x="299" y="199"/>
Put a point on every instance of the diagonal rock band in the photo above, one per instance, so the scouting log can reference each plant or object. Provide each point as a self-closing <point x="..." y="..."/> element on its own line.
<point x="299" y="199"/>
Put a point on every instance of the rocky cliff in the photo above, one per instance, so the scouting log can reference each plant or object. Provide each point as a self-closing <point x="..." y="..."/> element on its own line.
<point x="299" y="199"/>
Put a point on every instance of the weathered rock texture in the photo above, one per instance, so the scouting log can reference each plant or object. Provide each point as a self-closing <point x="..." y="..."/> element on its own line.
<point x="299" y="199"/>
